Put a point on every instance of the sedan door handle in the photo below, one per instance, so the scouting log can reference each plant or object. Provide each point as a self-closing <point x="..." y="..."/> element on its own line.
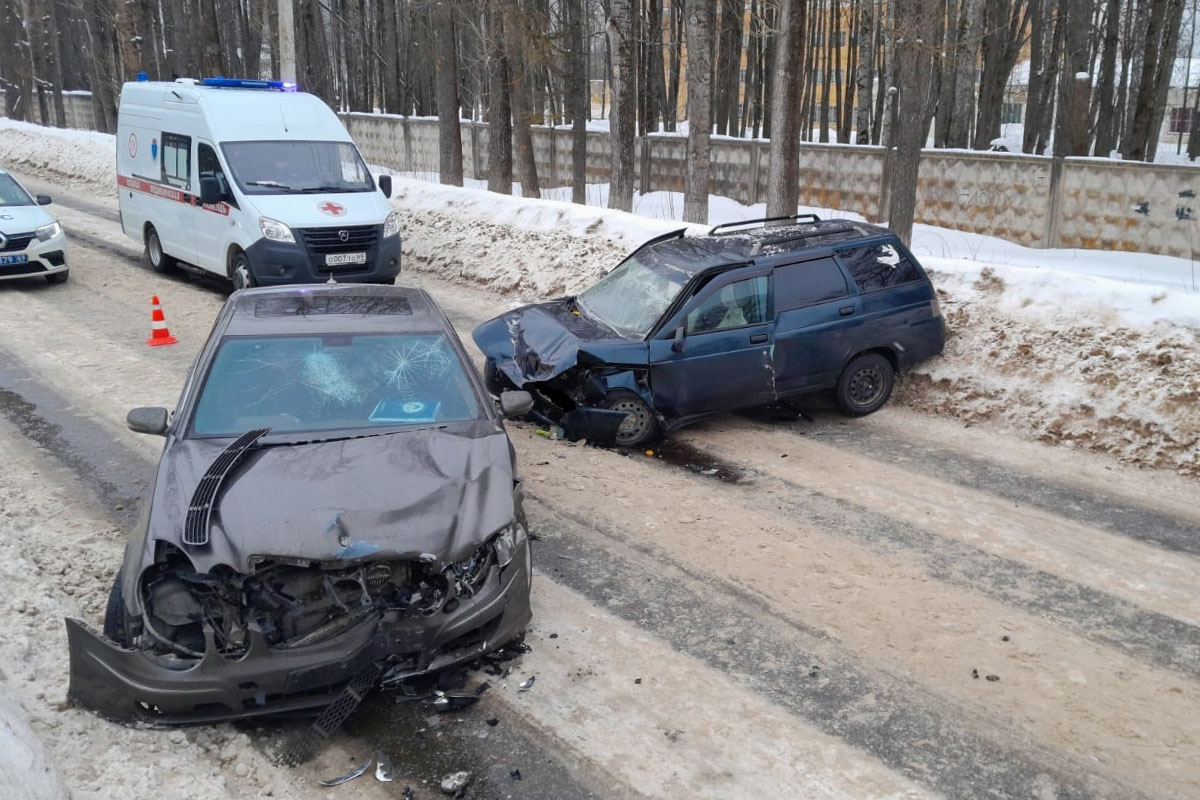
<point x="758" y="338"/>
<point x="846" y="311"/>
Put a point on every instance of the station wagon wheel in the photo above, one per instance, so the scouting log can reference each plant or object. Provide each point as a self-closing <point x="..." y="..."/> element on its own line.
<point x="240" y="273"/>
<point x="160" y="262"/>
<point x="640" y="425"/>
<point x="865" y="385"/>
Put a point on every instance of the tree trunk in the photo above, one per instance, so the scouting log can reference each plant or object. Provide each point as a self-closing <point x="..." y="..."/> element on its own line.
<point x="866" y="71"/>
<point x="914" y="18"/>
<point x="1166" y="65"/>
<point x="17" y="60"/>
<point x="577" y="97"/>
<point x="622" y="122"/>
<point x="1104" y="113"/>
<point x="967" y="58"/>
<point x="783" y="177"/>
<point x="1149" y="13"/>
<point x="1070" y="129"/>
<point x="515" y="39"/>
<point x="450" y="166"/>
<point x="887" y="97"/>
<point x="500" y="133"/>
<point x="699" y="76"/>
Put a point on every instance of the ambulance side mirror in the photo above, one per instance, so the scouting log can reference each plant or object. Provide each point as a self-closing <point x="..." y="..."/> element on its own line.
<point x="210" y="190"/>
<point x="385" y="185"/>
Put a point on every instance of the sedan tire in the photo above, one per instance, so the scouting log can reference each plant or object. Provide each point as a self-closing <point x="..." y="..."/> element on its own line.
<point x="865" y="385"/>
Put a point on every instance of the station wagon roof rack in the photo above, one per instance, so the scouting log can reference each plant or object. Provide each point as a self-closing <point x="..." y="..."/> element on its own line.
<point x="793" y="218"/>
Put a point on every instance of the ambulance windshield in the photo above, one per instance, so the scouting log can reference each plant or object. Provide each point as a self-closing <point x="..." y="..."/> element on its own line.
<point x="291" y="167"/>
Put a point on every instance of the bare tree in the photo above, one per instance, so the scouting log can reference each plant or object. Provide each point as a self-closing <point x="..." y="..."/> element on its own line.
<point x="914" y="19"/>
<point x="450" y="166"/>
<point x="699" y="76"/>
<point x="500" y="152"/>
<point x="783" y="181"/>
<point x="518" y="89"/>
<point x="622" y="120"/>
<point x="577" y="92"/>
<point x="966" y="61"/>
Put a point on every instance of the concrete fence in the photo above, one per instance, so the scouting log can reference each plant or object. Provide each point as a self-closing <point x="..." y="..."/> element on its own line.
<point x="1037" y="201"/>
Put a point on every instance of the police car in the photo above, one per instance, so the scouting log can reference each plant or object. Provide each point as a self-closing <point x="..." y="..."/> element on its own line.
<point x="31" y="241"/>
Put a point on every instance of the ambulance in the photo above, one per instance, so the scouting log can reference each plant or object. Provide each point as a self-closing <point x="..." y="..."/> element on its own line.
<point x="253" y="181"/>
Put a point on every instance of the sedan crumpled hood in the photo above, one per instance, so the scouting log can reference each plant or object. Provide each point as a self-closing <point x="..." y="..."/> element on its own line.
<point x="427" y="493"/>
<point x="534" y="343"/>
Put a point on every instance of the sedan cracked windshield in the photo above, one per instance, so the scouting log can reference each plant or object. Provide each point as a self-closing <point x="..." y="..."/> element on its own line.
<point x="336" y="505"/>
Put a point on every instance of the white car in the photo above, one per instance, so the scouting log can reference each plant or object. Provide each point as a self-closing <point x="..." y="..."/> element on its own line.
<point x="31" y="241"/>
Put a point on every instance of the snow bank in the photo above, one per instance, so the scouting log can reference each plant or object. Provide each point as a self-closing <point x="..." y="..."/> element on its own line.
<point x="23" y="763"/>
<point x="1044" y="342"/>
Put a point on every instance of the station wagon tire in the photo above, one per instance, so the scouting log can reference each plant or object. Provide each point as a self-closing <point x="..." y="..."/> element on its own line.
<point x="159" y="261"/>
<point x="240" y="273"/>
<point x="115" y="625"/>
<point x="640" y="425"/>
<point x="865" y="385"/>
<point x="58" y="277"/>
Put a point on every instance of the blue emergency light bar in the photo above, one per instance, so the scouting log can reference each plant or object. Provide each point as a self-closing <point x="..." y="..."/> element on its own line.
<point x="249" y="83"/>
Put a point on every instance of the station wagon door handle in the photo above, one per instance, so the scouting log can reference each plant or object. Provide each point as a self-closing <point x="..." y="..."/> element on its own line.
<point x="758" y="338"/>
<point x="846" y="311"/>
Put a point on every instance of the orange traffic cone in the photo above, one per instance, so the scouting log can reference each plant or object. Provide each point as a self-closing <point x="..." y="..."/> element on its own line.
<point x="158" y="326"/>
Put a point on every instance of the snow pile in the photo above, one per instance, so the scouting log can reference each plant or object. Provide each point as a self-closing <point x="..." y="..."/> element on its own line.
<point x="75" y="156"/>
<point x="1042" y="341"/>
<point x="1083" y="362"/>
<point x="22" y="760"/>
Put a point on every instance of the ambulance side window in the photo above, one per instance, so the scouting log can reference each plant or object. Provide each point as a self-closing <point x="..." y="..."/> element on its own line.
<point x="208" y="165"/>
<point x="177" y="160"/>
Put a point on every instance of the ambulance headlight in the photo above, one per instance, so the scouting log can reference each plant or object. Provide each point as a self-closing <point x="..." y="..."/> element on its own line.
<point x="391" y="225"/>
<point x="48" y="232"/>
<point x="275" y="230"/>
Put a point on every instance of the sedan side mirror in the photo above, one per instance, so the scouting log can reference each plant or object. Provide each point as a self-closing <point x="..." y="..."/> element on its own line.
<point x="210" y="190"/>
<point x="385" y="185"/>
<point x="147" y="419"/>
<point x="515" y="404"/>
<point x="44" y="200"/>
<point x="677" y="344"/>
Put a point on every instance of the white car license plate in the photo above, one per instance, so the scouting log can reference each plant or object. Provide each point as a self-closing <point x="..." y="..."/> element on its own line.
<point x="9" y="260"/>
<point x="337" y="259"/>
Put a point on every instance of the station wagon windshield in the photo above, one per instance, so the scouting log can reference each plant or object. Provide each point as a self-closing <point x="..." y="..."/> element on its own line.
<point x="289" y="167"/>
<point x="11" y="193"/>
<point x="309" y="384"/>
<point x="632" y="297"/>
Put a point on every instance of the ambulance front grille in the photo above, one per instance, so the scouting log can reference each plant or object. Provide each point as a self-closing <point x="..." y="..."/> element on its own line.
<point x="347" y="239"/>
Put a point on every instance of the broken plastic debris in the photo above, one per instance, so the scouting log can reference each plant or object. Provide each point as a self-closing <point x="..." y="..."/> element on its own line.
<point x="525" y="686"/>
<point x="493" y="721"/>
<point x="992" y="678"/>
<point x="383" y="768"/>
<point x="349" y="776"/>
<point x="453" y="701"/>
<point x="515" y="774"/>
<point x="974" y="673"/>
<point x="455" y="782"/>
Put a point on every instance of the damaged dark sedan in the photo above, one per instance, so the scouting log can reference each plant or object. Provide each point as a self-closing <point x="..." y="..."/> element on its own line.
<point x="690" y="326"/>
<point x="336" y="498"/>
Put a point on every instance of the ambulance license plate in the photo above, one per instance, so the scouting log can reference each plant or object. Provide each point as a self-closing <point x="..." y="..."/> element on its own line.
<point x="10" y="260"/>
<point x="338" y="259"/>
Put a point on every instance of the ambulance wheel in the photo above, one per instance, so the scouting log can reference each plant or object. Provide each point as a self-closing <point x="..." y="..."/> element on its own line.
<point x="159" y="261"/>
<point x="240" y="273"/>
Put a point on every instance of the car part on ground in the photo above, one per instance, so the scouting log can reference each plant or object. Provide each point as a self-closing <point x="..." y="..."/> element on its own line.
<point x="691" y="326"/>
<point x="371" y="532"/>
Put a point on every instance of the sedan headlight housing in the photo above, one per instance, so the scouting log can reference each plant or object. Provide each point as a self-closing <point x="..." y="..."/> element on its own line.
<point x="48" y="232"/>
<point x="275" y="230"/>
<point x="391" y="225"/>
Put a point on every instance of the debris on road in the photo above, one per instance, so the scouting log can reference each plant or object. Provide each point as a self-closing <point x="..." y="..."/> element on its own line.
<point x="993" y="678"/>
<point x="357" y="772"/>
<point x="383" y="768"/>
<point x="455" y="782"/>
<point x="515" y="774"/>
<point x="525" y="686"/>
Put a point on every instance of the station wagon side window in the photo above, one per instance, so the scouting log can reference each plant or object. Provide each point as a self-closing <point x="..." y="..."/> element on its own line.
<point x="878" y="266"/>
<point x="177" y="160"/>
<point x="734" y="305"/>
<point x="808" y="283"/>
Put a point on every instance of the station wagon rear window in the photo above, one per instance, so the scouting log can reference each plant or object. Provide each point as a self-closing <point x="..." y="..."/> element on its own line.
<point x="878" y="266"/>
<point x="808" y="283"/>
<point x="311" y="384"/>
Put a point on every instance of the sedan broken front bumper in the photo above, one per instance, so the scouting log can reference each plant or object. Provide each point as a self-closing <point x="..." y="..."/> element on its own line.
<point x="129" y="684"/>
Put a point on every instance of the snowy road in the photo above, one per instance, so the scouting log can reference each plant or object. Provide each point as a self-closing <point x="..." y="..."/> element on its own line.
<point x="805" y="622"/>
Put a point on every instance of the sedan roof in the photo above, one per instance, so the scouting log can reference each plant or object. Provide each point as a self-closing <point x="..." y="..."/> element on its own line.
<point x="333" y="308"/>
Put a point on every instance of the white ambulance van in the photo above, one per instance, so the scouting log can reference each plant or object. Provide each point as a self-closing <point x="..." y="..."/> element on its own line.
<point x="250" y="180"/>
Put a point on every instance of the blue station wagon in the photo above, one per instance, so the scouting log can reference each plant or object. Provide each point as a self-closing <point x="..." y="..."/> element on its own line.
<point x="690" y="326"/>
